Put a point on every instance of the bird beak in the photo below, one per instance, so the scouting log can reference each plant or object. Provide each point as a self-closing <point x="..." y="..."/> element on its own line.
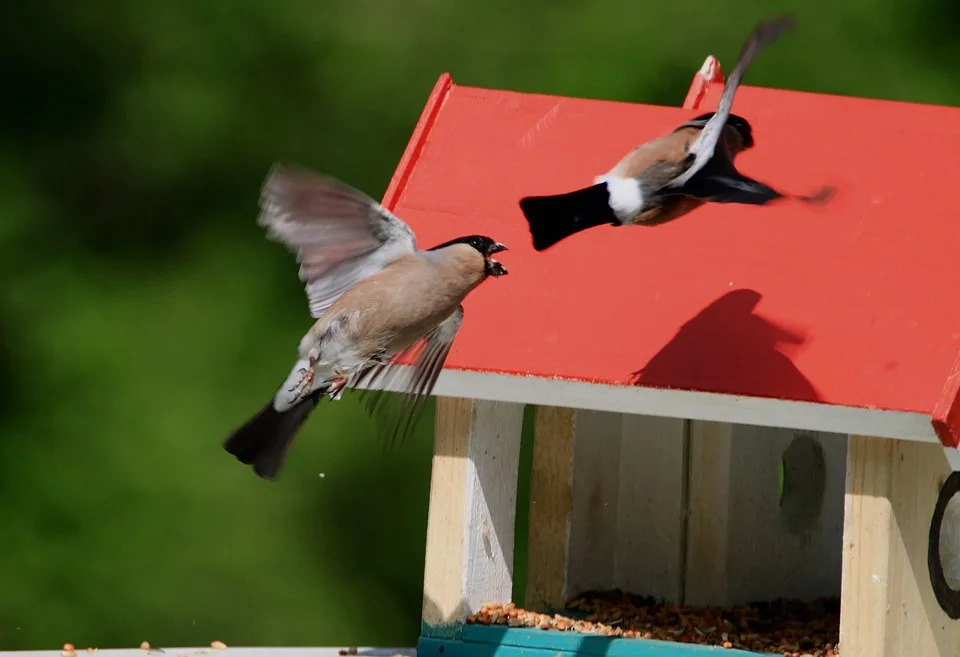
<point x="496" y="269"/>
<point x="497" y="247"/>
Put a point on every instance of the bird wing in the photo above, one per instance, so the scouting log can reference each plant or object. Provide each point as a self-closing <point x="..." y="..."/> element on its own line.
<point x="340" y="235"/>
<point x="702" y="148"/>
<point x="409" y="385"/>
<point x="666" y="150"/>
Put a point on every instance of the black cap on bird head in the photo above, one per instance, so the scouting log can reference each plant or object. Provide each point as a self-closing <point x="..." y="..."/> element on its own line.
<point x="738" y="123"/>
<point x="486" y="246"/>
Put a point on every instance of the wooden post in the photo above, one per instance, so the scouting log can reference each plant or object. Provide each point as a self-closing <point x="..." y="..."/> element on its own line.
<point x="551" y="508"/>
<point x="888" y="607"/>
<point x="473" y="498"/>
<point x="707" y="538"/>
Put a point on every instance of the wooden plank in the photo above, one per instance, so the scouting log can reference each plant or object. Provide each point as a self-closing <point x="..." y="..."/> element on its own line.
<point x="709" y="500"/>
<point x="888" y="607"/>
<point x="690" y="404"/>
<point x="585" y="644"/>
<point x="593" y="533"/>
<point x="789" y="548"/>
<point x="651" y="522"/>
<point x="630" y="515"/>
<point x="551" y="505"/>
<point x="607" y="495"/>
<point x="744" y="542"/>
<point x="470" y="526"/>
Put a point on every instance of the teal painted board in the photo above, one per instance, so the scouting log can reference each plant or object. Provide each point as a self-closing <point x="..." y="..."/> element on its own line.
<point x="427" y="647"/>
<point x="446" y="631"/>
<point x="487" y="640"/>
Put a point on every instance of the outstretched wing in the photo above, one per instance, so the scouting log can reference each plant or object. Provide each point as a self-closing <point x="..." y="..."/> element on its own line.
<point x="409" y="385"/>
<point x="340" y="235"/>
<point x="702" y="148"/>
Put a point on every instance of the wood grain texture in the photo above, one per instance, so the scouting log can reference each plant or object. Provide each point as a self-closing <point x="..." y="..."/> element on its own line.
<point x="551" y="505"/>
<point x="593" y="535"/>
<point x="789" y="548"/>
<point x="470" y="525"/>
<point x="651" y="521"/>
<point x="708" y="541"/>
<point x="746" y="544"/>
<point x="606" y="505"/>
<point x="888" y="608"/>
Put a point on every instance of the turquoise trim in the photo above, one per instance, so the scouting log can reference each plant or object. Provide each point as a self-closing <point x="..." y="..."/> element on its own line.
<point x="427" y="647"/>
<point x="448" y="631"/>
<point x="499" y="641"/>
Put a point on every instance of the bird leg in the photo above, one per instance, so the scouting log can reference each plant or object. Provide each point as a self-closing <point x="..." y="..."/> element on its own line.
<point x="337" y="383"/>
<point x="305" y="385"/>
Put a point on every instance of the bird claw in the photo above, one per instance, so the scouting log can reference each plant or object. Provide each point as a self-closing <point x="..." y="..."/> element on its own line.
<point x="337" y="383"/>
<point x="305" y="385"/>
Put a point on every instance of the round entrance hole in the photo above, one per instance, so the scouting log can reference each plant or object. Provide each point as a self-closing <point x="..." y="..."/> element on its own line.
<point x="949" y="546"/>
<point x="943" y="552"/>
<point x="803" y="480"/>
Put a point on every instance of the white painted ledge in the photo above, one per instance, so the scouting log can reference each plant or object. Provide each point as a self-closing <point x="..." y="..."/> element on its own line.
<point x="685" y="404"/>
<point x="211" y="652"/>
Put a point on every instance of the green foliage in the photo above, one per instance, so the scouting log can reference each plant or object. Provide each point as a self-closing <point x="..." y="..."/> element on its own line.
<point x="143" y="315"/>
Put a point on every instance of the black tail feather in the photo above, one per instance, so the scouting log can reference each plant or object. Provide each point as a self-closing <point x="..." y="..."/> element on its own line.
<point x="264" y="440"/>
<point x="554" y="218"/>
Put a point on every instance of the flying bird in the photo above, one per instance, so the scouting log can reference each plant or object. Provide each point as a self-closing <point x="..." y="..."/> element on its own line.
<point x="671" y="175"/>
<point x="378" y="300"/>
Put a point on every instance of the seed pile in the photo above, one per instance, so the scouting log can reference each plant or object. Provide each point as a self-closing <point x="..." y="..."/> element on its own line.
<point x="782" y="627"/>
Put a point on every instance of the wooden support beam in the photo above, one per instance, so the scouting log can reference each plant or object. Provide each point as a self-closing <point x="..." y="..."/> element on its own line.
<point x="709" y="500"/>
<point x="888" y="606"/>
<point x="551" y="508"/>
<point x="473" y="497"/>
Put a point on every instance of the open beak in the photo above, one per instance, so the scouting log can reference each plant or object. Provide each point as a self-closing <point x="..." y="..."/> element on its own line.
<point x="494" y="268"/>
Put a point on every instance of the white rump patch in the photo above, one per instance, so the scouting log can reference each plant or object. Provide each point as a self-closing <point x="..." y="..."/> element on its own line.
<point x="626" y="199"/>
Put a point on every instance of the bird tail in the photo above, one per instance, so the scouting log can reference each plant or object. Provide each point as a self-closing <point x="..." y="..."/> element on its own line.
<point x="554" y="218"/>
<point x="264" y="440"/>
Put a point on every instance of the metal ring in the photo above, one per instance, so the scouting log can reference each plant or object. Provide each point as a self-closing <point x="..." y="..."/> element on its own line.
<point x="948" y="598"/>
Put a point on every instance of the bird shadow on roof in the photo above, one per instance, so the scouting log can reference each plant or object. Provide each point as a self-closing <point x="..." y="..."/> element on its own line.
<point x="728" y="348"/>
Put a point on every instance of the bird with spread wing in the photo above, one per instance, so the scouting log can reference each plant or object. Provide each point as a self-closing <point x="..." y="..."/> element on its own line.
<point x="386" y="313"/>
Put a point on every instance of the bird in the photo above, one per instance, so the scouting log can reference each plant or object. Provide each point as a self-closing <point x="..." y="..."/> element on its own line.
<point x="378" y="301"/>
<point x="673" y="174"/>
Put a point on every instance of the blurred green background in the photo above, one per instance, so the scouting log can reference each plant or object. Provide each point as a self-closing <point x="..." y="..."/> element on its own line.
<point x="143" y="315"/>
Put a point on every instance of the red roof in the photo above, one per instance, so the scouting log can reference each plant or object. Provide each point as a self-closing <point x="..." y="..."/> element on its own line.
<point x="850" y="308"/>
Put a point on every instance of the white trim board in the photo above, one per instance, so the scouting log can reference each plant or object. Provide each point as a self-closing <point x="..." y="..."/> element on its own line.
<point x="685" y="404"/>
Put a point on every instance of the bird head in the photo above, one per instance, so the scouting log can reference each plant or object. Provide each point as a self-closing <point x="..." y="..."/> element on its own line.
<point x="743" y="128"/>
<point x="486" y="246"/>
<point x="738" y="123"/>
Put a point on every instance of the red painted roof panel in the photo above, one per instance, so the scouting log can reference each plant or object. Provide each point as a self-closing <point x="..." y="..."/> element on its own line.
<point x="848" y="304"/>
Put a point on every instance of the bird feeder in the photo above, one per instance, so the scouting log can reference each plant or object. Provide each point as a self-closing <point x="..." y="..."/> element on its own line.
<point x="747" y="403"/>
